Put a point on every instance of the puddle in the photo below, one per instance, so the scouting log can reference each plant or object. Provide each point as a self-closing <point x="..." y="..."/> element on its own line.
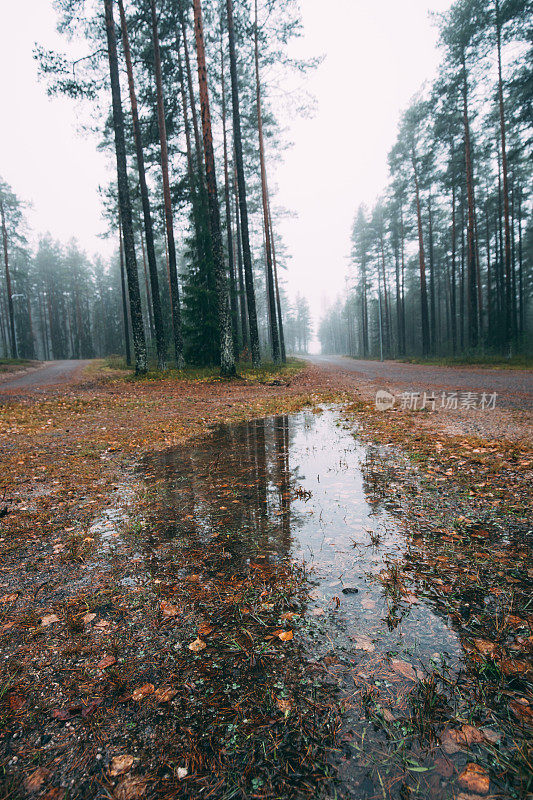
<point x="300" y="496"/>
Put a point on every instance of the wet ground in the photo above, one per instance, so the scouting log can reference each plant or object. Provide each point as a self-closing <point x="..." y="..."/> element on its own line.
<point x="513" y="387"/>
<point x="280" y="609"/>
<point x="374" y="587"/>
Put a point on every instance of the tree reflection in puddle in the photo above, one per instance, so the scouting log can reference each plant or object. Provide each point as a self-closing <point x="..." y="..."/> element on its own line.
<point x="290" y="545"/>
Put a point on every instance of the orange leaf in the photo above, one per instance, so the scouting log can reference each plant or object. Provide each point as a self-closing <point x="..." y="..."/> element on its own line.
<point x="285" y="636"/>
<point x="107" y="661"/>
<point x="197" y="645"/>
<point x="143" y="691"/>
<point x="475" y="779"/>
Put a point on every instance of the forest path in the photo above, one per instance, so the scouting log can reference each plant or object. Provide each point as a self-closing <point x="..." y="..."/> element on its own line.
<point x="51" y="373"/>
<point x="513" y="387"/>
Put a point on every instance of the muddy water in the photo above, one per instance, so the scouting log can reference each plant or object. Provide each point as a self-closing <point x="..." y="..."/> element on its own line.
<point x="300" y="493"/>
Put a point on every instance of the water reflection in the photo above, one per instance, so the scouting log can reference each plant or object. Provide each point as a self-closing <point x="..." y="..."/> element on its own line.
<point x="257" y="498"/>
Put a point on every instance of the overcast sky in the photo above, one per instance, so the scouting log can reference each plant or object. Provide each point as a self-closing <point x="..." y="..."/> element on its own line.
<point x="377" y="55"/>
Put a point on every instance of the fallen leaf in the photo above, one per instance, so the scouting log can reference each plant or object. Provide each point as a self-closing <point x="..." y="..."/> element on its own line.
<point x="197" y="645"/>
<point x="90" y="708"/>
<point x="16" y="702"/>
<point x="510" y="666"/>
<point x="56" y="793"/>
<point x="403" y="668"/>
<point x="168" y="609"/>
<point x="204" y="629"/>
<point x="288" y="615"/>
<point x="120" y="765"/>
<point x="364" y="643"/>
<point x="34" y="781"/>
<point x="143" y="691"/>
<point x="317" y="612"/>
<point x="182" y="772"/>
<point x="285" y="705"/>
<point x="475" y="779"/>
<point x="130" y="789"/>
<point x="368" y="604"/>
<point x="484" y="647"/>
<point x="107" y="661"/>
<point x="522" y="710"/>
<point x="49" y="619"/>
<point x="285" y="636"/>
<point x="87" y="618"/>
<point x="165" y="694"/>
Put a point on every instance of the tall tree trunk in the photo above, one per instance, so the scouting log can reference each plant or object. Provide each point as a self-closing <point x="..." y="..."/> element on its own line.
<point x="11" y="311"/>
<point x="274" y="333"/>
<point x="124" y="297"/>
<point x="240" y="266"/>
<point x="402" y="275"/>
<point x="521" y="287"/>
<point x="139" y="342"/>
<point x="506" y="215"/>
<point x="243" y="203"/>
<point x="489" y="271"/>
<point x="422" y="264"/>
<point x="155" y="304"/>
<point x="147" y="290"/>
<point x="278" y="296"/>
<point x="227" y="358"/>
<point x="453" y="279"/>
<point x="229" y="230"/>
<point x="473" y="329"/>
<point x="169" y="222"/>
<point x="194" y="114"/>
<point x="432" y="305"/>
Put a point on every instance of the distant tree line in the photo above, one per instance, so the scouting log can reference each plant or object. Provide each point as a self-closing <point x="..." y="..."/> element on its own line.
<point x="57" y="303"/>
<point x="193" y="132"/>
<point x="443" y="263"/>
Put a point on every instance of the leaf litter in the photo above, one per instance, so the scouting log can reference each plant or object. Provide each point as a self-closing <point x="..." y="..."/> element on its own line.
<point x="411" y="686"/>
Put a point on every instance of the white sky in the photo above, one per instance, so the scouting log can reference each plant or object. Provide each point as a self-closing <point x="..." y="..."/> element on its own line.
<point x="377" y="56"/>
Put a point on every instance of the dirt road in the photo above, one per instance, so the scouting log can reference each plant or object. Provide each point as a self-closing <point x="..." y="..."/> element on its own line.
<point x="52" y="373"/>
<point x="513" y="387"/>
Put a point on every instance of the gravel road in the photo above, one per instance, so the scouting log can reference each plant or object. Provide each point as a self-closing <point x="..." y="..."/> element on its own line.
<point x="513" y="387"/>
<point x="52" y="373"/>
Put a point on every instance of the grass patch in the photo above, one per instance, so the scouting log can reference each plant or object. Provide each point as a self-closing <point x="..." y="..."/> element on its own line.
<point x="487" y="361"/>
<point x="7" y="364"/>
<point x="268" y="371"/>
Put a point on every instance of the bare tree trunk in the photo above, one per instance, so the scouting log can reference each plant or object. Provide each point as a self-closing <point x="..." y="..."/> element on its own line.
<point x="278" y="296"/>
<point x="422" y="265"/>
<point x="473" y="328"/>
<point x="139" y="342"/>
<point x="227" y="358"/>
<point x="147" y="288"/>
<point x="453" y="280"/>
<point x="242" y="286"/>
<point x="243" y="204"/>
<point x="194" y="114"/>
<point x="172" y="263"/>
<point x="274" y="333"/>
<point x="432" y="304"/>
<point x="506" y="216"/>
<point x="155" y="303"/>
<point x="229" y="231"/>
<point x="11" y="311"/>
<point x="124" y="298"/>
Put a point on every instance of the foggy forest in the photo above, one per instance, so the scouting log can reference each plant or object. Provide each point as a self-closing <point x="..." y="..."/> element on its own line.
<point x="266" y="383"/>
